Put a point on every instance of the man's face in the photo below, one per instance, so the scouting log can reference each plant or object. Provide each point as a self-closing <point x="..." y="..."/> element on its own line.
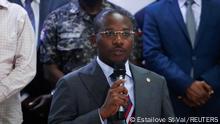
<point x="115" y="39"/>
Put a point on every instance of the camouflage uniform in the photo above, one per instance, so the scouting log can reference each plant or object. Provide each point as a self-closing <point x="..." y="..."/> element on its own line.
<point x="65" y="37"/>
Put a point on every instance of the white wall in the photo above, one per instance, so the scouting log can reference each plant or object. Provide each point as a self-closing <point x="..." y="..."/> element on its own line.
<point x="132" y="5"/>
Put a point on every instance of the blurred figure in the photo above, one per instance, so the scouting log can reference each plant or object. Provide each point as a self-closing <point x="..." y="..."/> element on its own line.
<point x="17" y="59"/>
<point x="182" y="42"/>
<point x="37" y="11"/>
<point x="92" y="95"/>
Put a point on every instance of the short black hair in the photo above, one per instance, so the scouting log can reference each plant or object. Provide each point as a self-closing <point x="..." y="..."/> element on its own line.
<point x="98" y="21"/>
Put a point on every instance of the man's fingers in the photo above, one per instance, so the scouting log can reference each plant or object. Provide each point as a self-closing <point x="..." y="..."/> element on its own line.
<point x="189" y="103"/>
<point x="208" y="88"/>
<point x="121" y="90"/>
<point x="195" y="98"/>
<point x="117" y="83"/>
<point x="121" y="101"/>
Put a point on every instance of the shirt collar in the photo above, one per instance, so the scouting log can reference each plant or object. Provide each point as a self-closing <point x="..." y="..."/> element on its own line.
<point x="182" y="2"/>
<point x="107" y="70"/>
<point x="4" y="3"/>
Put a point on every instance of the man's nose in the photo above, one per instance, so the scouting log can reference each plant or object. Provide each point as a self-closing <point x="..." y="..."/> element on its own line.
<point x="118" y="39"/>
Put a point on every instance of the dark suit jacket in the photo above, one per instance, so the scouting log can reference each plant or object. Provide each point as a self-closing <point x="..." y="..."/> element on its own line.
<point x="79" y="95"/>
<point x="168" y="50"/>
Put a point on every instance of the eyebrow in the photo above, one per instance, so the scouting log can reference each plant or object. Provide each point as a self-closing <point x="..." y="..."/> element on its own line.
<point x="113" y="29"/>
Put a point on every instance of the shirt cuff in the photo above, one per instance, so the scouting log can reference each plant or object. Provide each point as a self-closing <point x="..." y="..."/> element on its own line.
<point x="102" y="121"/>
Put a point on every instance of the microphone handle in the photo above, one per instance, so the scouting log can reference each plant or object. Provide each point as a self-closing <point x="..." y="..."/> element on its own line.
<point x="121" y="110"/>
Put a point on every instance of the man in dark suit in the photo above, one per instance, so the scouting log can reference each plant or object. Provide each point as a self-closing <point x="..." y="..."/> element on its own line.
<point x="90" y="96"/>
<point x="182" y="42"/>
<point x="32" y="112"/>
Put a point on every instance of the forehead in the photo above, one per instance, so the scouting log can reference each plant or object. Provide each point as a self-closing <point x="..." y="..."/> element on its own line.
<point x="117" y="20"/>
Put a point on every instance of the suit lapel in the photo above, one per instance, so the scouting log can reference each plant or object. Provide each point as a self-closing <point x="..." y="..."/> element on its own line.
<point x="141" y="91"/>
<point x="96" y="82"/>
<point x="175" y="10"/>
<point x="206" y="11"/>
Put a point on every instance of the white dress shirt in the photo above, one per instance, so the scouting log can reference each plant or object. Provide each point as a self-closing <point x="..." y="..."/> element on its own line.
<point x="129" y="84"/>
<point x="196" y="7"/>
<point x="17" y="59"/>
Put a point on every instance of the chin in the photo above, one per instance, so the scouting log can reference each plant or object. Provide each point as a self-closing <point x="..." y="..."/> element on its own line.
<point x="119" y="59"/>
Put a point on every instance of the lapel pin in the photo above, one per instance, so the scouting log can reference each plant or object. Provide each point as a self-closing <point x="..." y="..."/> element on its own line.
<point x="148" y="80"/>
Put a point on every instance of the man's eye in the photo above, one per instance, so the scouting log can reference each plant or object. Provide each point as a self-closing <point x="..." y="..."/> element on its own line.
<point x="126" y="33"/>
<point x="110" y="33"/>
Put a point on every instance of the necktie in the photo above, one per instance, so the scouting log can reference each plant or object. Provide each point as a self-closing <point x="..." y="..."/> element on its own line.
<point x="28" y="8"/>
<point x="190" y="21"/>
<point x="129" y="111"/>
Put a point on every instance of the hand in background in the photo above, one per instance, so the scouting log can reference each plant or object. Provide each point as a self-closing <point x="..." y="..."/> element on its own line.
<point x="197" y="94"/>
<point x="116" y="97"/>
<point x="41" y="104"/>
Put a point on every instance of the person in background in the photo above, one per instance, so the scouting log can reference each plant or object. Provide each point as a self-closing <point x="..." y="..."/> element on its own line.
<point x="91" y="95"/>
<point x="37" y="11"/>
<point x="139" y="17"/>
<point x="182" y="42"/>
<point x="17" y="59"/>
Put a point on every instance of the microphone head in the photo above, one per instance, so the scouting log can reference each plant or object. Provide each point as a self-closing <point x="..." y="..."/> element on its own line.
<point x="119" y="69"/>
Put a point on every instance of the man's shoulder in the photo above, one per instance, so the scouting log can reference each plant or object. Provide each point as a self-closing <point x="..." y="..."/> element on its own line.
<point x="16" y="11"/>
<point x="86" y="69"/>
<point x="147" y="72"/>
<point x="158" y="6"/>
<point x="15" y="8"/>
<point x="67" y="9"/>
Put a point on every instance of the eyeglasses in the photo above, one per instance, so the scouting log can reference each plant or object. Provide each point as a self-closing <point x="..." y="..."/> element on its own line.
<point x="113" y="34"/>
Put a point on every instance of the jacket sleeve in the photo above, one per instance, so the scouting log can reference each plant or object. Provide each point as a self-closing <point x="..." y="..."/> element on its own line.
<point x="212" y="77"/>
<point x="155" y="58"/>
<point x="167" y="109"/>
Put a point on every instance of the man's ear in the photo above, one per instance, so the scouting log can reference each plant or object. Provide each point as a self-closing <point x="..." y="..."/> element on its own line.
<point x="92" y="40"/>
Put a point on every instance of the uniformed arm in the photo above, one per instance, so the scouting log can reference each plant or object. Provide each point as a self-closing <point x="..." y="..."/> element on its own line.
<point x="52" y="73"/>
<point x="48" y="50"/>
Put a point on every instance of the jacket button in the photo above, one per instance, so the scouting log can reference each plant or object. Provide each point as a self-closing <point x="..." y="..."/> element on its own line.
<point x="194" y="58"/>
<point x="179" y="97"/>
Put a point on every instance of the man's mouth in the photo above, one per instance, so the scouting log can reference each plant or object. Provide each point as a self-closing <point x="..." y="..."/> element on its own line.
<point x="118" y="51"/>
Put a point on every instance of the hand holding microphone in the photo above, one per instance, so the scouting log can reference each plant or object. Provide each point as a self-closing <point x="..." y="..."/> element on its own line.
<point x="117" y="95"/>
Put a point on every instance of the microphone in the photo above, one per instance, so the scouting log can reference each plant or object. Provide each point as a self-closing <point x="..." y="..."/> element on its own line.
<point x="119" y="73"/>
